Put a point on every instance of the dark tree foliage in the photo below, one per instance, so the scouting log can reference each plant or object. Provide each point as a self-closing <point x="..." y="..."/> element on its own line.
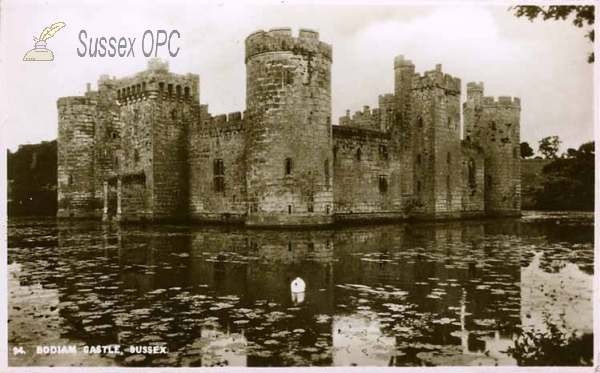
<point x="32" y="174"/>
<point x="549" y="146"/>
<point x="526" y="150"/>
<point x="569" y="181"/>
<point x="583" y="16"/>
<point x="552" y="348"/>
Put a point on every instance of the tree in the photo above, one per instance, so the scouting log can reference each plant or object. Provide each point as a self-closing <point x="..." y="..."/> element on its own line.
<point x="583" y="16"/>
<point x="549" y="146"/>
<point x="33" y="172"/>
<point x="569" y="181"/>
<point x="526" y="150"/>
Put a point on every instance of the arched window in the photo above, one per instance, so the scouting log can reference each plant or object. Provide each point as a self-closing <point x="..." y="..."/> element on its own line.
<point x="448" y="158"/>
<point x="136" y="156"/>
<point x="118" y="94"/>
<point x="178" y="91"/>
<point x="70" y="181"/>
<point x="170" y="89"/>
<point x="186" y="93"/>
<point x="358" y="154"/>
<point x="143" y="86"/>
<point x="471" y="179"/>
<point x="418" y="159"/>
<point x="288" y="166"/>
<point x="449" y="122"/>
<point x="173" y="114"/>
<point x="139" y="89"/>
<point x="161" y="86"/>
<point x="420" y="122"/>
<point x="335" y="152"/>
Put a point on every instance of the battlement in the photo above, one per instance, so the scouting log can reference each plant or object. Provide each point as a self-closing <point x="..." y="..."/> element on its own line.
<point x="156" y="83"/>
<point x="364" y="134"/>
<point x="475" y="87"/>
<point x="436" y="78"/>
<point x="214" y="125"/>
<point x="368" y="119"/>
<point x="400" y="62"/>
<point x="502" y="101"/>
<point x="158" y="65"/>
<point x="281" y="39"/>
<point x="387" y="97"/>
<point x="73" y="100"/>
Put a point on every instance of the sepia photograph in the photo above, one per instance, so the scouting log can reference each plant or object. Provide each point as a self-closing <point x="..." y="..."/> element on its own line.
<point x="274" y="184"/>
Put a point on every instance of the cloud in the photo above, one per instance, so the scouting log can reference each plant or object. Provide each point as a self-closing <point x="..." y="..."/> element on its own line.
<point x="543" y="63"/>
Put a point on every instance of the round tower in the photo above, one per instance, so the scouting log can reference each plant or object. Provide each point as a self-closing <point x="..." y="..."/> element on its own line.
<point x="404" y="70"/>
<point x="77" y="195"/>
<point x="289" y="171"/>
<point x="501" y="144"/>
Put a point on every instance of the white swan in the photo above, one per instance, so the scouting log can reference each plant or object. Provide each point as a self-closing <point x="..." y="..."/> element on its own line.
<point x="298" y="286"/>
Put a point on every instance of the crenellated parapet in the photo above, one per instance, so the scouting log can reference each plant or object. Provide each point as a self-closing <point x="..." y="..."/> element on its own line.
<point x="281" y="39"/>
<point x="219" y="125"/>
<point x="362" y="134"/>
<point x="156" y="82"/>
<point x="436" y="79"/>
<point x="502" y="101"/>
<point x="376" y="119"/>
<point x="401" y="62"/>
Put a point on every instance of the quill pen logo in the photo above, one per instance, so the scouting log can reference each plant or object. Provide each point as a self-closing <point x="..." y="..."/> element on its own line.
<point x="40" y="52"/>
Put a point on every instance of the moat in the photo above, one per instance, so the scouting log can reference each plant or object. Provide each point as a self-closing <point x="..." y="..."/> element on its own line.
<point x="423" y="294"/>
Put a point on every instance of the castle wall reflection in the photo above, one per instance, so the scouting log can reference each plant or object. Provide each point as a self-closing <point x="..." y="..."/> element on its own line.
<point x="424" y="294"/>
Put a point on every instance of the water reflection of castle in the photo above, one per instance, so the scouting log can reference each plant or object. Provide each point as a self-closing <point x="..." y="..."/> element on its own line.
<point x="451" y="271"/>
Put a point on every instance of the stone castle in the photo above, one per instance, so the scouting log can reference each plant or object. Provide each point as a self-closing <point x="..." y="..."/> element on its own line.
<point x="143" y="148"/>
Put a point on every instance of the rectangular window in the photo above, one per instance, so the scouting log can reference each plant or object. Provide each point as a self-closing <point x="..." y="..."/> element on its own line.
<point x="383" y="152"/>
<point x="219" y="176"/>
<point x="383" y="184"/>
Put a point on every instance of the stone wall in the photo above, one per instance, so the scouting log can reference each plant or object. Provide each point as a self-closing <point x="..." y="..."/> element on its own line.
<point x="366" y="170"/>
<point x="289" y="149"/>
<point x="498" y="133"/>
<point x="435" y="109"/>
<point x="402" y="125"/>
<point x="142" y="148"/>
<point x="76" y="190"/>
<point x="472" y="178"/>
<point x="213" y="139"/>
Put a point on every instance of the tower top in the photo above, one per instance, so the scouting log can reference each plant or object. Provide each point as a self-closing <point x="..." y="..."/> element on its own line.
<point x="281" y="39"/>
<point x="399" y="61"/>
<point x="156" y="64"/>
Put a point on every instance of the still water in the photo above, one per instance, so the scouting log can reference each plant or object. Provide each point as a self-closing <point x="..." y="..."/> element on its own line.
<point x="453" y="293"/>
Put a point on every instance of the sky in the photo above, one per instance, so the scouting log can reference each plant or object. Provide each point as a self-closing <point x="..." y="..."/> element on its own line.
<point x="543" y="63"/>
